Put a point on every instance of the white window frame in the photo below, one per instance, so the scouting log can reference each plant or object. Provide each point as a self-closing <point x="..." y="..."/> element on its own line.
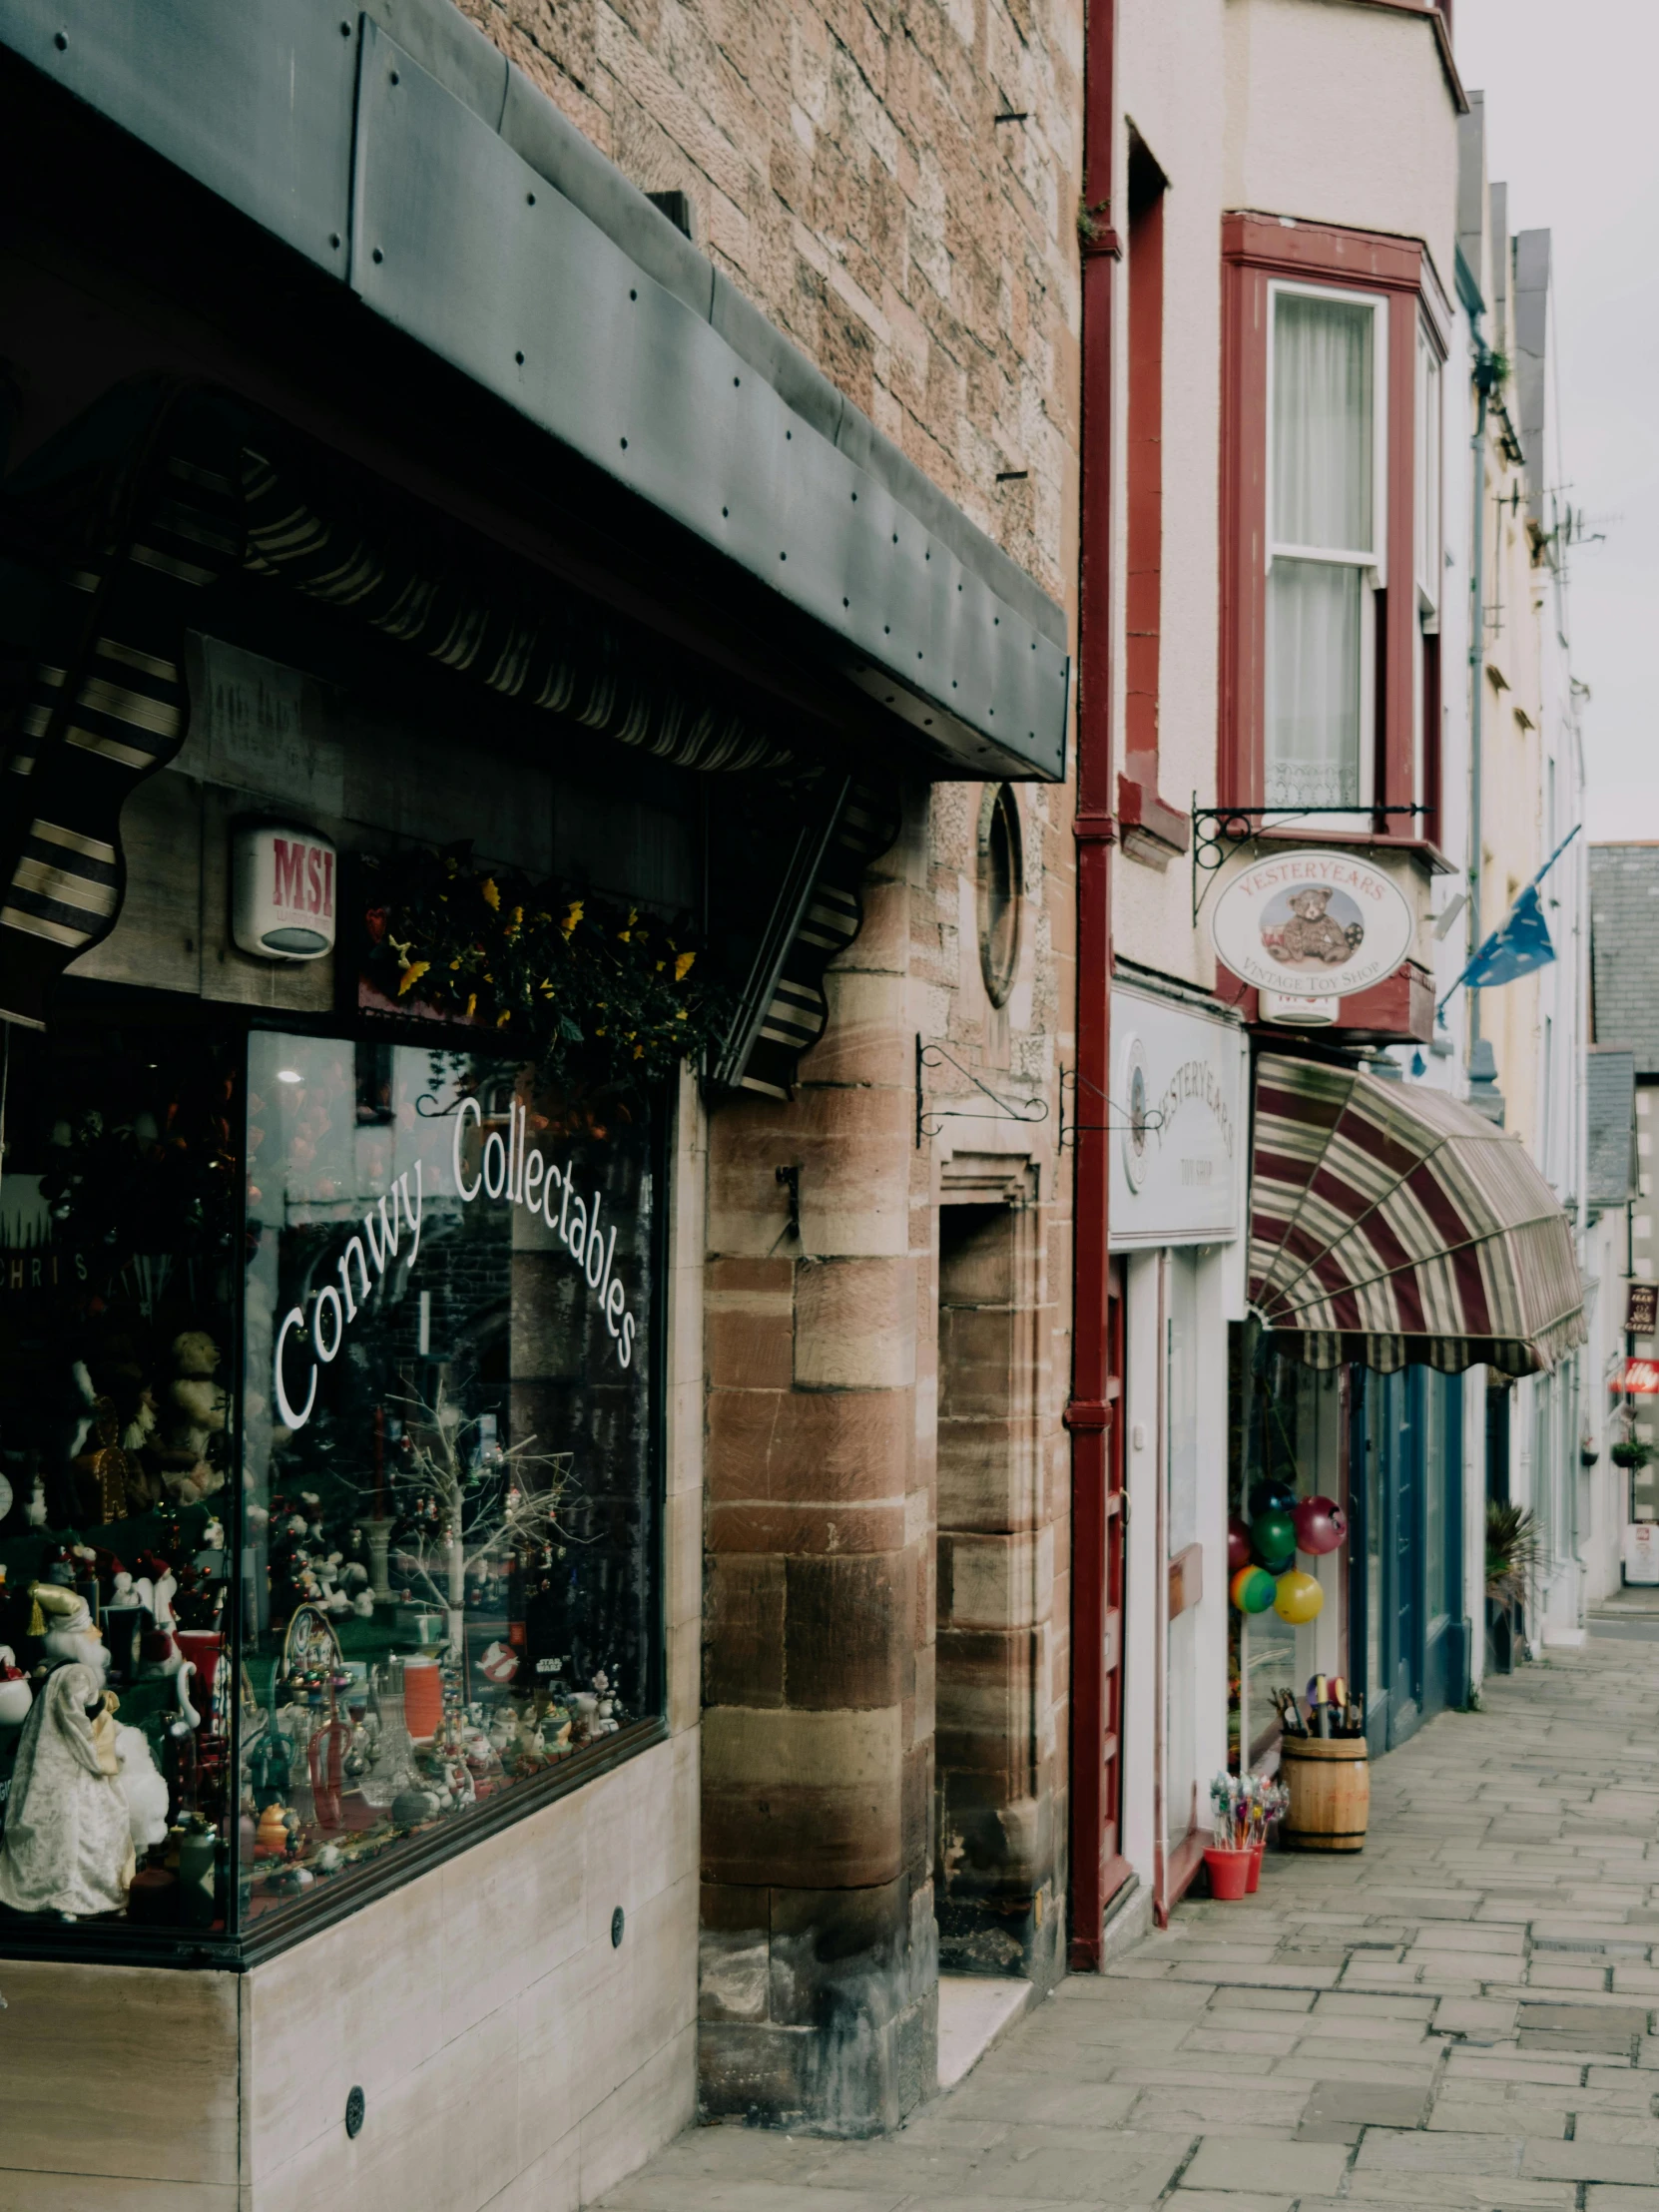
<point x="1372" y="562"/>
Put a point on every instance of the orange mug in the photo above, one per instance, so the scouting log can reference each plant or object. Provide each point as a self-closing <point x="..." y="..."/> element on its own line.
<point x="422" y="1698"/>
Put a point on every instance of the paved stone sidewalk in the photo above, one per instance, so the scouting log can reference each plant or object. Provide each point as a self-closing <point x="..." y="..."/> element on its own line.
<point x="1461" y="2017"/>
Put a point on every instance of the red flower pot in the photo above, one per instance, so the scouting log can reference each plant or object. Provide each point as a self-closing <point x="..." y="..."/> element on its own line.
<point x="1229" y="1872"/>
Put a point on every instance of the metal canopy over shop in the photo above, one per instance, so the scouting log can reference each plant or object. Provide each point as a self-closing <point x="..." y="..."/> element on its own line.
<point x="183" y="487"/>
<point x="404" y="159"/>
<point x="1393" y="1226"/>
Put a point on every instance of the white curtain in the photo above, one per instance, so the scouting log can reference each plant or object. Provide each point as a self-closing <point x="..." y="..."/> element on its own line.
<point x="1321" y="422"/>
<point x="1312" y="684"/>
<point x="1323" y="478"/>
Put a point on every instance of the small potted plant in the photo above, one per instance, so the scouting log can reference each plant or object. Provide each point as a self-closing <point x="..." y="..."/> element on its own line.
<point x="1630" y="1452"/>
<point x="1511" y="1555"/>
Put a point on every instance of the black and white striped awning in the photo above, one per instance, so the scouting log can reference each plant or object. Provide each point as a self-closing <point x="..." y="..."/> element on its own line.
<point x="107" y="704"/>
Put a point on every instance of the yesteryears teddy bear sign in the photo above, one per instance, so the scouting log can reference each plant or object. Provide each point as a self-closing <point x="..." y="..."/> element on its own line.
<point x="1311" y="924"/>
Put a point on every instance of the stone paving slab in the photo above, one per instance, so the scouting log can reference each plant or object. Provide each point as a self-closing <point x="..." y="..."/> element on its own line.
<point x="1458" y="2019"/>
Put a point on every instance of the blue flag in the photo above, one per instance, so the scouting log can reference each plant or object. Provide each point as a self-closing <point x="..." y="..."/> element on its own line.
<point x="1520" y="945"/>
<point x="1522" y="941"/>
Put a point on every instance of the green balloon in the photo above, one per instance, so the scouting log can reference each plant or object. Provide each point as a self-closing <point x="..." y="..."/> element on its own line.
<point x="1273" y="1537"/>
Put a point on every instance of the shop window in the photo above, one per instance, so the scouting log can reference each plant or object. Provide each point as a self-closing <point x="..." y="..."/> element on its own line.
<point x="432" y="1453"/>
<point x="1288" y="1442"/>
<point x="1002" y="889"/>
<point x="451" y="1277"/>
<point x="118" y="1289"/>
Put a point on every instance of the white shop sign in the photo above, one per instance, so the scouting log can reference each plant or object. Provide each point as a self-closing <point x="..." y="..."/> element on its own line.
<point x="1176" y="1121"/>
<point x="282" y="893"/>
<point x="1311" y="924"/>
<point x="1641" y="1551"/>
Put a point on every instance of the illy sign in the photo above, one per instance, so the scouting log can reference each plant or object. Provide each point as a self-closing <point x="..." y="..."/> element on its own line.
<point x="283" y="881"/>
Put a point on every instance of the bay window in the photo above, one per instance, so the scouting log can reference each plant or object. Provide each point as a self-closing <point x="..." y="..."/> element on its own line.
<point x="1325" y="552"/>
<point x="1331" y="526"/>
<point x="1427" y="570"/>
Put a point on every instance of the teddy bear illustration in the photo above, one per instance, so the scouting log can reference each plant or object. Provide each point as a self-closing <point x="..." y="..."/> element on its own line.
<point x="1313" y="934"/>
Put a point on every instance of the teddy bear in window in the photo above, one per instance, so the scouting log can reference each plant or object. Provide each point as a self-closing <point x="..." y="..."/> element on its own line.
<point x="1313" y="934"/>
<point x="197" y="1407"/>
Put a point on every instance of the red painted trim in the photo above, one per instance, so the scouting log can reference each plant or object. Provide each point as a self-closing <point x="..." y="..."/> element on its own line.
<point x="1399" y="1011"/>
<point x="1097" y="1865"/>
<point x="1434" y="733"/>
<point x="1293" y="833"/>
<point x="1140" y="809"/>
<point x="1377" y="260"/>
<point x="1399" y="612"/>
<point x="1242" y="594"/>
<point x="1184" y="1863"/>
<point x="1138" y="801"/>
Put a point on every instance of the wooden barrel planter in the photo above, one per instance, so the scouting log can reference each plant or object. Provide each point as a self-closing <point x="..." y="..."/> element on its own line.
<point x="1330" y="1785"/>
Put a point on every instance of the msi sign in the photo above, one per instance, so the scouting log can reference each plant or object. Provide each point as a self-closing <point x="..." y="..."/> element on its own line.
<point x="282" y="893"/>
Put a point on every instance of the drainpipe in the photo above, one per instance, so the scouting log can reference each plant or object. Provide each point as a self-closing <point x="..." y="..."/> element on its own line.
<point x="1095" y="1873"/>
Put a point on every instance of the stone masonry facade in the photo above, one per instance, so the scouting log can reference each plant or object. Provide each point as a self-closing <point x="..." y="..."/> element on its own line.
<point x="896" y="190"/>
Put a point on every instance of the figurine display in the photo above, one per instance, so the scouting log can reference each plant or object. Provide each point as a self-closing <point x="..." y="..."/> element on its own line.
<point x="66" y="1846"/>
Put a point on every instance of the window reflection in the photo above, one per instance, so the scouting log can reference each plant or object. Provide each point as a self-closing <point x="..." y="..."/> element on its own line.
<point x="451" y="1522"/>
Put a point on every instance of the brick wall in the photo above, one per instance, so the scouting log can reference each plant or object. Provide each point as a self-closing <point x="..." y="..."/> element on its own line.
<point x="849" y="175"/>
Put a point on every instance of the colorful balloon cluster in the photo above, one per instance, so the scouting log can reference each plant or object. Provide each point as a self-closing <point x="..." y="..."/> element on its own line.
<point x="1261" y="1554"/>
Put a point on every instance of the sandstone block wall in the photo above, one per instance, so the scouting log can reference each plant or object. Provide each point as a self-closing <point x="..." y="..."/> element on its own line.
<point x="897" y="191"/>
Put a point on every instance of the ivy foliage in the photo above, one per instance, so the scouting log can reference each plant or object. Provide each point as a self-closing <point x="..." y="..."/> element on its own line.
<point x="601" y="995"/>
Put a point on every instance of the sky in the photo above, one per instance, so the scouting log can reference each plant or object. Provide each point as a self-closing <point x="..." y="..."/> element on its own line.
<point x="1571" y="129"/>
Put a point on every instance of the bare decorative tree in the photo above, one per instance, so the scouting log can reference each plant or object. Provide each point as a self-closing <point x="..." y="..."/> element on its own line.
<point x="445" y="1449"/>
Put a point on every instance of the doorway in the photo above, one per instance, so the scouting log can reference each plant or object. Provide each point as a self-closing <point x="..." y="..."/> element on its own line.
<point x="1407" y="1551"/>
<point x="995" y="1775"/>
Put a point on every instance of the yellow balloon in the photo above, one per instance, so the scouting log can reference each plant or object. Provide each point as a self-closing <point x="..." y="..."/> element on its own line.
<point x="1299" y="1598"/>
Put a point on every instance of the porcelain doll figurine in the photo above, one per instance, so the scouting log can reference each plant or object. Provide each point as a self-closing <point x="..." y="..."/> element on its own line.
<point x="143" y="1787"/>
<point x="68" y="1841"/>
<point x="62" y="1620"/>
<point x="15" y="1695"/>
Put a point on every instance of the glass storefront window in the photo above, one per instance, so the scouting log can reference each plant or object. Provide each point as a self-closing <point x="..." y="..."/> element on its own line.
<point x="1287" y="1436"/>
<point x="328" y="1491"/>
<point x="118" y="1213"/>
<point x="448" y="1583"/>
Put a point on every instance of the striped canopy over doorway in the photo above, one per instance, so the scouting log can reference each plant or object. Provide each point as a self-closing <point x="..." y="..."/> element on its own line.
<point x="1389" y="1224"/>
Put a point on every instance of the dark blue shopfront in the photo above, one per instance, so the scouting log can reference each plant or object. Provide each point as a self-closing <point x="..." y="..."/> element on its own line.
<point x="1408" y="1636"/>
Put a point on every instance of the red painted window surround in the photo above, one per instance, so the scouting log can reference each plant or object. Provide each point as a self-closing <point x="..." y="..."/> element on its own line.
<point x="1151" y="830"/>
<point x="1255" y="249"/>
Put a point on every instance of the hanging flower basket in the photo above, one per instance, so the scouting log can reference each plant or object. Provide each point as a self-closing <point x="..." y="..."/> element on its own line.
<point x="598" y="993"/>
